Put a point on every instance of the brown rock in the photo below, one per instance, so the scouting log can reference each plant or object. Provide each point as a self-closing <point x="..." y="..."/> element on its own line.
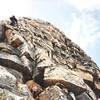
<point x="85" y="75"/>
<point x="14" y="38"/>
<point x="97" y="84"/>
<point x="34" y="88"/>
<point x="37" y="50"/>
<point x="16" y="43"/>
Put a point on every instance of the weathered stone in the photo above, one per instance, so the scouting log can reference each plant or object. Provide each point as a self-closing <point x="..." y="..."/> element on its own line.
<point x="4" y="47"/>
<point x="6" y="78"/>
<point x="27" y="63"/>
<point x="36" y="50"/>
<point x="17" y="74"/>
<point x="1" y="32"/>
<point x="97" y="84"/>
<point x="88" y="72"/>
<point x="71" y="62"/>
<point x="84" y="96"/>
<point x="65" y="76"/>
<point x="44" y="57"/>
<point x="85" y="75"/>
<point x="34" y="88"/>
<point x="53" y="93"/>
<point x="26" y="50"/>
<point x="14" y="38"/>
<point x="12" y="61"/>
<point x="72" y="96"/>
<point x="16" y="42"/>
<point x="24" y="91"/>
<point x="81" y="67"/>
<point x="91" y="93"/>
<point x="7" y="95"/>
<point x="26" y="56"/>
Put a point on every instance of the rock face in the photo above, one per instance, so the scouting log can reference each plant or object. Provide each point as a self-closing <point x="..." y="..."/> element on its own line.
<point x="38" y="62"/>
<point x="67" y="77"/>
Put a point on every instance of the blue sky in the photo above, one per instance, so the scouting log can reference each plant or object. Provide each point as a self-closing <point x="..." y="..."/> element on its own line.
<point x="78" y="19"/>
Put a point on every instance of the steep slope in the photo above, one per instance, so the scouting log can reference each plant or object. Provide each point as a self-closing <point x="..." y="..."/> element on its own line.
<point x="37" y="61"/>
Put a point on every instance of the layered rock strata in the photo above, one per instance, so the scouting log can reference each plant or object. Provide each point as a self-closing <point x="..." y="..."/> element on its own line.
<point x="38" y="62"/>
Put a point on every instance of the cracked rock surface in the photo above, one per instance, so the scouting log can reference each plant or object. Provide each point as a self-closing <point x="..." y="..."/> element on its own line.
<point x="38" y="62"/>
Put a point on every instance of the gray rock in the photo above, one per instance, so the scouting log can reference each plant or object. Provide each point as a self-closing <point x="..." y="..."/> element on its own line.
<point x="37" y="48"/>
<point x="7" y="78"/>
<point x="4" y="47"/>
<point x="53" y="93"/>
<point x="84" y="96"/>
<point x="1" y="32"/>
<point x="17" y="74"/>
<point x="65" y="76"/>
<point x="14" y="38"/>
<point x="7" y="95"/>
<point x="12" y="61"/>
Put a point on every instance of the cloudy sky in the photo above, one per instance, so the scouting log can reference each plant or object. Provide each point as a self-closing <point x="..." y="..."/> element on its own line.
<point x="78" y="19"/>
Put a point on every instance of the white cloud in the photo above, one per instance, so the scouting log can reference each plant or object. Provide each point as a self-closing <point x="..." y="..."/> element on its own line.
<point x="74" y="30"/>
<point x="84" y="24"/>
<point x="89" y="40"/>
<point x="84" y="4"/>
<point x="89" y="30"/>
<point x="15" y="7"/>
<point x="83" y="30"/>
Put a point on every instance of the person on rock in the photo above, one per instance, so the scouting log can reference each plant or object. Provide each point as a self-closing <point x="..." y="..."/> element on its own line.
<point x="14" y="21"/>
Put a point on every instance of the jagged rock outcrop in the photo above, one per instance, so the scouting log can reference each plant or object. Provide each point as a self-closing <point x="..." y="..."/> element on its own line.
<point x="38" y="62"/>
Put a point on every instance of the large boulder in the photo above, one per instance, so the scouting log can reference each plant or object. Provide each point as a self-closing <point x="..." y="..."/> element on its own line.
<point x="69" y="78"/>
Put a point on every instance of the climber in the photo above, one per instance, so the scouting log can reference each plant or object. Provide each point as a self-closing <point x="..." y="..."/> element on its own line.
<point x="14" y="21"/>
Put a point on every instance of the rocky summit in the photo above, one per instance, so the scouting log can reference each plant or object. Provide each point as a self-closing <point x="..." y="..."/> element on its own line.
<point x="38" y="62"/>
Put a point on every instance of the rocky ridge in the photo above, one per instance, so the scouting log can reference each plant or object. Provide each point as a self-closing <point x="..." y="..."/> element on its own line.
<point x="38" y="62"/>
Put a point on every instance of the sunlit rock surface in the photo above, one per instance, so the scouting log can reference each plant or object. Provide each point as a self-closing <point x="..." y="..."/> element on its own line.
<point x="38" y="62"/>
